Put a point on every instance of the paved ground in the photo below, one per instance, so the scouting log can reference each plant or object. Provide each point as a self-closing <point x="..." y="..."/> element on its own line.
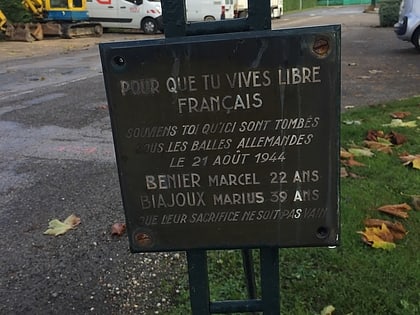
<point x="57" y="159"/>
<point x="376" y="66"/>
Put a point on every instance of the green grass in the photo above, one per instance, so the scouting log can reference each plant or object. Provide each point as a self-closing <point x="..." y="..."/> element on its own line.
<point x="354" y="278"/>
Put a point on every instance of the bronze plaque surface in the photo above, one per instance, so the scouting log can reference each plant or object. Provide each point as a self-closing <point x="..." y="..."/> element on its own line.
<point x="227" y="141"/>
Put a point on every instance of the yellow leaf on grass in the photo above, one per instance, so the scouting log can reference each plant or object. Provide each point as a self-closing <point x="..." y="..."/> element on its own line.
<point x="361" y="152"/>
<point x="416" y="163"/>
<point x="396" y="228"/>
<point x="56" y="227"/>
<point x="378" y="237"/>
<point x="400" y="123"/>
<point x="411" y="160"/>
<point x="328" y="310"/>
<point x="384" y="141"/>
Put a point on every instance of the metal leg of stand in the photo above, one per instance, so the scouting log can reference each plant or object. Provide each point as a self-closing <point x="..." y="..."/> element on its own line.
<point x="270" y="281"/>
<point x="200" y="290"/>
<point x="199" y="282"/>
<point x="249" y="270"/>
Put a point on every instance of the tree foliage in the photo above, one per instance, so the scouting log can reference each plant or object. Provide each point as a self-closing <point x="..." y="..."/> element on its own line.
<point x="15" y="12"/>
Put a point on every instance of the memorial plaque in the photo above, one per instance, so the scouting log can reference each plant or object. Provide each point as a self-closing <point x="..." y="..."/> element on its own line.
<point x="227" y="141"/>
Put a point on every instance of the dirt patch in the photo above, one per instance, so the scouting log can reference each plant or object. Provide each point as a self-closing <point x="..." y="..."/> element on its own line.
<point x="13" y="50"/>
<point x="376" y="66"/>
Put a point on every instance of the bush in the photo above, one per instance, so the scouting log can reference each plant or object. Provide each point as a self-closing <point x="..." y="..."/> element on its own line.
<point x="388" y="12"/>
<point x="15" y="11"/>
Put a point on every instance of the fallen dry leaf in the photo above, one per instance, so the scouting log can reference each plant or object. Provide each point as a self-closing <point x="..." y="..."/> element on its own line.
<point x="396" y="138"/>
<point x="353" y="175"/>
<point x="381" y="146"/>
<point x="102" y="107"/>
<point x="118" y="229"/>
<point x="410" y="160"/>
<point x="378" y="237"/>
<point x="344" y="154"/>
<point x="352" y="162"/>
<point x="361" y="152"/>
<point x="400" y="115"/>
<point x="345" y="173"/>
<point x="400" y="123"/>
<point x="389" y="138"/>
<point x="373" y="135"/>
<point x="347" y="159"/>
<point x="56" y="227"/>
<point x="396" y="228"/>
<point x="398" y="210"/>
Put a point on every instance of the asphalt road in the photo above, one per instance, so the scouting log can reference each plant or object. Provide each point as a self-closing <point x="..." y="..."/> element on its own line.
<point x="376" y="66"/>
<point x="57" y="158"/>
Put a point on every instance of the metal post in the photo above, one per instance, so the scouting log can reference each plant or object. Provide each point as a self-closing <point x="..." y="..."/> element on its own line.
<point x="259" y="18"/>
<point x="176" y="24"/>
<point x="199" y="282"/>
<point x="270" y="280"/>
<point x="259" y="15"/>
<point x="249" y="273"/>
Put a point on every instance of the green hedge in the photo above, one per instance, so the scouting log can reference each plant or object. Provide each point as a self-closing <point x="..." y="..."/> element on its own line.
<point x="388" y="12"/>
<point x="292" y="5"/>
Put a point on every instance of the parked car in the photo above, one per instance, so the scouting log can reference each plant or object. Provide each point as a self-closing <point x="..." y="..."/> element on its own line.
<point x="408" y="26"/>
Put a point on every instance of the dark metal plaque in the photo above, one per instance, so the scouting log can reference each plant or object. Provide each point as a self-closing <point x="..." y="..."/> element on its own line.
<point x="228" y="141"/>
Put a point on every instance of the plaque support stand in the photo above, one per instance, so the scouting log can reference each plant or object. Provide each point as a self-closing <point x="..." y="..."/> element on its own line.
<point x="269" y="303"/>
<point x="259" y="18"/>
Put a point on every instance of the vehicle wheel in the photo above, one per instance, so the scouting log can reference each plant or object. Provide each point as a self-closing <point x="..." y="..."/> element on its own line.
<point x="209" y="18"/>
<point x="243" y="14"/>
<point x="149" y="26"/>
<point x="416" y="39"/>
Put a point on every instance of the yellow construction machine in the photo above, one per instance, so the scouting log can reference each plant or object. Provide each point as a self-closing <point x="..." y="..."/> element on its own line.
<point x="3" y="21"/>
<point x="64" y="18"/>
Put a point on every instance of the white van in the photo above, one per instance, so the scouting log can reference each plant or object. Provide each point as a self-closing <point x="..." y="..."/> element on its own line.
<point x="136" y="14"/>
<point x="241" y="8"/>
<point x="208" y="10"/>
